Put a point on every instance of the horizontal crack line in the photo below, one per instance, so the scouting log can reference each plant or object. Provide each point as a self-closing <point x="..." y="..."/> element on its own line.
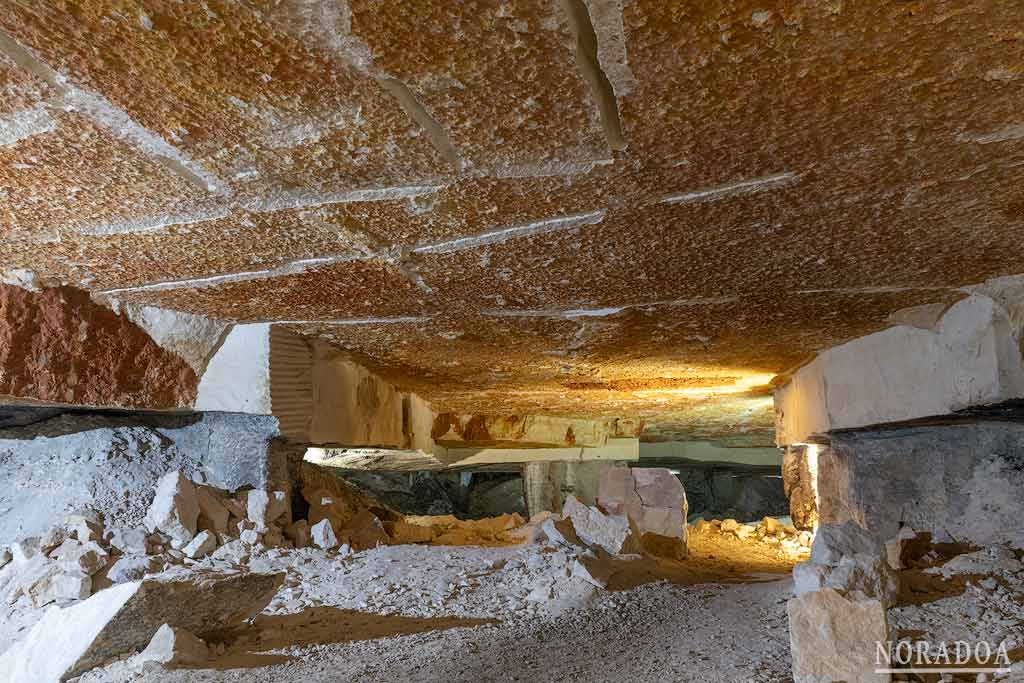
<point x="571" y="313"/>
<point x="289" y="268"/>
<point x="751" y="186"/>
<point x="504" y="234"/>
<point x="357" y="321"/>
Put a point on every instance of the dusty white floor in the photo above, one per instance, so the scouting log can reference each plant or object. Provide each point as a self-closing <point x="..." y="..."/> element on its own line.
<point x="414" y="614"/>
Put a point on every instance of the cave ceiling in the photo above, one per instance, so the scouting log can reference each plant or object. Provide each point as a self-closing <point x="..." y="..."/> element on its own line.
<point x="576" y="207"/>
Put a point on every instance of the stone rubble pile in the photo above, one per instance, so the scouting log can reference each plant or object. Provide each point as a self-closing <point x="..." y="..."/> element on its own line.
<point x="769" y="531"/>
<point x="202" y="561"/>
<point x="839" y="612"/>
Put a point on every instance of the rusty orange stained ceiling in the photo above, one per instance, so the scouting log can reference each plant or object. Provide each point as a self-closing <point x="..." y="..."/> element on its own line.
<point x="587" y="207"/>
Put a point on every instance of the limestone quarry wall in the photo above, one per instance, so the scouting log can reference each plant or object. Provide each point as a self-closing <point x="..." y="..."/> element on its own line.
<point x="969" y="355"/>
<point x="963" y="480"/>
<point x="111" y="462"/>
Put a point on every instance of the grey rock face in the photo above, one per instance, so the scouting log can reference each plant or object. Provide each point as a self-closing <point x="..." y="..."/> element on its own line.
<point x="960" y="480"/>
<point x="113" y="462"/>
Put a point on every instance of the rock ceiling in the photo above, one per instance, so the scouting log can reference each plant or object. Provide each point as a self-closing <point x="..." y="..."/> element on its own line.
<point x="571" y="206"/>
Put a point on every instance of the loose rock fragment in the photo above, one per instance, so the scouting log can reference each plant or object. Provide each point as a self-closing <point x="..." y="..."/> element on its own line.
<point x="175" y="508"/>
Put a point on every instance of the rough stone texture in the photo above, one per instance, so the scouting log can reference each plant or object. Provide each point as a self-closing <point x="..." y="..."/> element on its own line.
<point x="455" y="431"/>
<point x="59" y="346"/>
<point x="799" y="483"/>
<point x="970" y="357"/>
<point x="171" y="647"/>
<point x="191" y="337"/>
<point x="113" y="462"/>
<point x="175" y="508"/>
<point x="117" y="621"/>
<point x="850" y="560"/>
<point x="616" y="534"/>
<point x="959" y="480"/>
<point x="833" y="639"/>
<point x="652" y="497"/>
<point x="629" y="176"/>
<point x="833" y="541"/>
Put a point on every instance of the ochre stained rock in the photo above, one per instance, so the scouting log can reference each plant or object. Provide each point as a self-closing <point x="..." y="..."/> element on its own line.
<point x="58" y="345"/>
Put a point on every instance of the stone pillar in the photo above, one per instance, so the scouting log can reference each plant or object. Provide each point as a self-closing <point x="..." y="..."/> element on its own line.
<point x="799" y="478"/>
<point x="546" y="484"/>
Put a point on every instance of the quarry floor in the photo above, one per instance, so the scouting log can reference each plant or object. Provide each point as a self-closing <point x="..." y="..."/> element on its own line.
<point x="419" y="613"/>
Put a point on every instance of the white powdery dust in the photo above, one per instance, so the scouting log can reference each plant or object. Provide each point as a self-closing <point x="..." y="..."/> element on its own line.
<point x="24" y="124"/>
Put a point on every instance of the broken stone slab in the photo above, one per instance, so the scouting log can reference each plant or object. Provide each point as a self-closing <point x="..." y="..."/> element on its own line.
<point x="175" y="508"/>
<point x="5" y="557"/>
<point x="133" y="568"/>
<point x="265" y="507"/>
<point x="834" y="639"/>
<point x="833" y="541"/>
<point x="323" y="535"/>
<point x="213" y="514"/>
<point x="130" y="540"/>
<point x="51" y="539"/>
<point x="67" y="642"/>
<point x="861" y="576"/>
<point x="560" y="532"/>
<point x="74" y="585"/>
<point x="87" y="557"/>
<point x="170" y="648"/>
<point x="615" y="533"/>
<point x="809" y="577"/>
<point x="869" y="575"/>
<point x="250" y="537"/>
<point x="204" y="543"/>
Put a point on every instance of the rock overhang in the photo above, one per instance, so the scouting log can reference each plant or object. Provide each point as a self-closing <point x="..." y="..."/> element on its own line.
<point x="434" y="188"/>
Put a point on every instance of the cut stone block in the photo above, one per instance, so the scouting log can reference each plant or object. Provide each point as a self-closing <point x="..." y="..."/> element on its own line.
<point x="175" y="509"/>
<point x="67" y="642"/>
<point x="652" y="497"/>
<point x="130" y="541"/>
<point x="834" y="639"/>
<point x="402" y="532"/>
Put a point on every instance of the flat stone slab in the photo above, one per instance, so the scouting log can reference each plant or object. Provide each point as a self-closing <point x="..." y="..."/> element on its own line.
<point x="122" y="619"/>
